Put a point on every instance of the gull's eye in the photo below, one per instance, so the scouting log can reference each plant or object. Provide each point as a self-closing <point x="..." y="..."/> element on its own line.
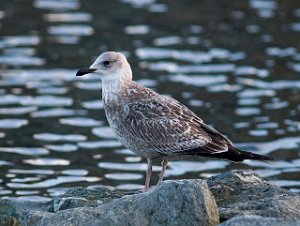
<point x="106" y="63"/>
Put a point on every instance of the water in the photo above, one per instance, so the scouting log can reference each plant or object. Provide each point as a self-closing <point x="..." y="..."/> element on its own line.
<point x="236" y="64"/>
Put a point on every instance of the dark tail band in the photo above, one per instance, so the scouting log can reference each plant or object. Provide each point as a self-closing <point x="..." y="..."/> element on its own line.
<point x="234" y="154"/>
<point x="237" y="155"/>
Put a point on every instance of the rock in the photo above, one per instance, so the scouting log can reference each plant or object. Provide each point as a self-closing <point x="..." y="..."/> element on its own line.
<point x="242" y="192"/>
<point x="85" y="197"/>
<point x="12" y="210"/>
<point x="182" y="202"/>
<point x="243" y="199"/>
<point x="72" y="202"/>
<point x="8" y="221"/>
<point x="250" y="220"/>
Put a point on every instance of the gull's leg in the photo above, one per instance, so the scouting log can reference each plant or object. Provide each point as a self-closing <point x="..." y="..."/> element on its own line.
<point x="164" y="164"/>
<point x="148" y="175"/>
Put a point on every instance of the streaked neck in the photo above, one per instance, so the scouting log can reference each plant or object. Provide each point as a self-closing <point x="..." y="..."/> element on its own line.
<point x="112" y="90"/>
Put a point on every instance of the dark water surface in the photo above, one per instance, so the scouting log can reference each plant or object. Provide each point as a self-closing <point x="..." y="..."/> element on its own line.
<point x="235" y="63"/>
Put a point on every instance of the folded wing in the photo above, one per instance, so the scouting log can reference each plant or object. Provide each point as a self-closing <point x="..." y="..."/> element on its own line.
<point x="169" y="128"/>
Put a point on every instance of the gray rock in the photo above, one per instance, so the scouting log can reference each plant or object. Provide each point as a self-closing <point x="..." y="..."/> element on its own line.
<point x="242" y="192"/>
<point x="8" y="221"/>
<point x="182" y="202"/>
<point x="85" y="197"/>
<point x="12" y="210"/>
<point x="250" y="220"/>
<point x="243" y="198"/>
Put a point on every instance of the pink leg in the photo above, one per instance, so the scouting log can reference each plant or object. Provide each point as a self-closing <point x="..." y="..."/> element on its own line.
<point x="148" y="175"/>
<point x="164" y="164"/>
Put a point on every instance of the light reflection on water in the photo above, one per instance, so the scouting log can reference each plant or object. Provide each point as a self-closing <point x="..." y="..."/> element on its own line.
<point x="240" y="77"/>
<point x="12" y="123"/>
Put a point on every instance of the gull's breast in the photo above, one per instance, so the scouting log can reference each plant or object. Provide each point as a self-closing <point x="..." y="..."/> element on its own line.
<point x="120" y="122"/>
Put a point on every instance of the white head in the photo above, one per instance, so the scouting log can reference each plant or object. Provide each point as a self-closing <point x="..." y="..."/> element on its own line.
<point x="109" y="66"/>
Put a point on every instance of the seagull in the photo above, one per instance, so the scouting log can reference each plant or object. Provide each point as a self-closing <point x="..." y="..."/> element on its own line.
<point x="155" y="126"/>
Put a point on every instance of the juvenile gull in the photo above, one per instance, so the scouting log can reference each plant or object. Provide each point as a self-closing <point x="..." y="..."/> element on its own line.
<point x="153" y="125"/>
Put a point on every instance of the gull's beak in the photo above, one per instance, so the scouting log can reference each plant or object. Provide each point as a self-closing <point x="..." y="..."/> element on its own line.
<point x="84" y="71"/>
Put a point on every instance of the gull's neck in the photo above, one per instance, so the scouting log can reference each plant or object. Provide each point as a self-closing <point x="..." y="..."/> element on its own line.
<point x="114" y="85"/>
<point x="113" y="90"/>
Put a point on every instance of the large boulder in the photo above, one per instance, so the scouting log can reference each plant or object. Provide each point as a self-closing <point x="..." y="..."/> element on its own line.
<point x="182" y="202"/>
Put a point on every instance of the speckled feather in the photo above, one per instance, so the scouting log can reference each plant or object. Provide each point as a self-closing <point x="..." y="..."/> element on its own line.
<point x="154" y="125"/>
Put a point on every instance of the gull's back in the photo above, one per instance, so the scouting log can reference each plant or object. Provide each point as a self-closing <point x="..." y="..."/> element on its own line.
<point x="154" y="125"/>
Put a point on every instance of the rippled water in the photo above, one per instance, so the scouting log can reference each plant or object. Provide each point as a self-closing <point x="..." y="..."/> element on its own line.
<point x="236" y="64"/>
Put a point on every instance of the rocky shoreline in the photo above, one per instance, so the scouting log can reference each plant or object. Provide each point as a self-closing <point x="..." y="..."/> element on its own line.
<point x="236" y="198"/>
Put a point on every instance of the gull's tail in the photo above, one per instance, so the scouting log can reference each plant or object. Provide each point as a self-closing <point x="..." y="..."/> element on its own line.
<point x="238" y="155"/>
<point x="233" y="154"/>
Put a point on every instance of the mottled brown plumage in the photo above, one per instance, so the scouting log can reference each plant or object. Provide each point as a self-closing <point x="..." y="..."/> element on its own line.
<point x="153" y="125"/>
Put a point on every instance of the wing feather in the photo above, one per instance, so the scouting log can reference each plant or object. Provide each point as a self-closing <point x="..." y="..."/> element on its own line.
<point x="169" y="127"/>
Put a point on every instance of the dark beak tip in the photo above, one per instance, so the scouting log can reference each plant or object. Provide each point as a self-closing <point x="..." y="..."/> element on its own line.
<point x="84" y="71"/>
<point x="78" y="73"/>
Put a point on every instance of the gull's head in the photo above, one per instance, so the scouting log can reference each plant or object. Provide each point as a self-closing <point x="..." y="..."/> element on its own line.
<point x="109" y="66"/>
